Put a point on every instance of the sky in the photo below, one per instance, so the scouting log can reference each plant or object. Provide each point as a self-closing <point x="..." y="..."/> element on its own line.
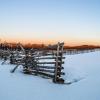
<point x="75" y="22"/>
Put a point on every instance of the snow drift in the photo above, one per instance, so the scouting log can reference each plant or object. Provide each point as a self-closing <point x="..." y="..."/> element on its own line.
<point x="81" y="69"/>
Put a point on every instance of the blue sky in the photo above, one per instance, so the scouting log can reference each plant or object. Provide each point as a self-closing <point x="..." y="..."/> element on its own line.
<point x="72" y="21"/>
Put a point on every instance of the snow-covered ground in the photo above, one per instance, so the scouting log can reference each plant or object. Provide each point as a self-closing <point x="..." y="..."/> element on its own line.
<point x="83" y="67"/>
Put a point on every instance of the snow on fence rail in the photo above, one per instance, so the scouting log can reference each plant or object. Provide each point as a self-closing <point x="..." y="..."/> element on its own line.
<point x="47" y="63"/>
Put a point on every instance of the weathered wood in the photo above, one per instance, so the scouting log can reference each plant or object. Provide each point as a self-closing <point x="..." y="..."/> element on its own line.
<point x="48" y="67"/>
<point x="50" y="57"/>
<point x="56" y="65"/>
<point x="49" y="62"/>
<point x="44" y="74"/>
<point x="33" y="62"/>
<point x="13" y="70"/>
<point x="56" y="45"/>
<point x="57" y="69"/>
<point x="43" y="70"/>
<point x="53" y="53"/>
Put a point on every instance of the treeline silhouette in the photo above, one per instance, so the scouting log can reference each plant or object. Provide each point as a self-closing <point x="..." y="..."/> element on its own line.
<point x="82" y="47"/>
<point x="13" y="46"/>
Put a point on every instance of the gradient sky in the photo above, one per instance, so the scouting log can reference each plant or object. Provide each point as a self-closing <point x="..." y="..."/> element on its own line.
<point x="47" y="21"/>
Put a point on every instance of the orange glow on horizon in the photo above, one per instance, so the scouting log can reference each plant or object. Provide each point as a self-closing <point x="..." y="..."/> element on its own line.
<point x="69" y="41"/>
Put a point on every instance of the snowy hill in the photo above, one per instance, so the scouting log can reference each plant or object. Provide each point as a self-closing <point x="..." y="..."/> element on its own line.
<point x="83" y="67"/>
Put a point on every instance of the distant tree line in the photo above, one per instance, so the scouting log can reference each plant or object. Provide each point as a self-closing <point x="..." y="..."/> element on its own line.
<point x="13" y="46"/>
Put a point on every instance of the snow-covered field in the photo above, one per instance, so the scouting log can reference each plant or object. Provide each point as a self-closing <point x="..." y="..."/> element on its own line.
<point x="83" y="67"/>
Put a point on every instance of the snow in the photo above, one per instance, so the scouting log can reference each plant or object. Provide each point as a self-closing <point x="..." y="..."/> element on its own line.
<point x="82" y="67"/>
